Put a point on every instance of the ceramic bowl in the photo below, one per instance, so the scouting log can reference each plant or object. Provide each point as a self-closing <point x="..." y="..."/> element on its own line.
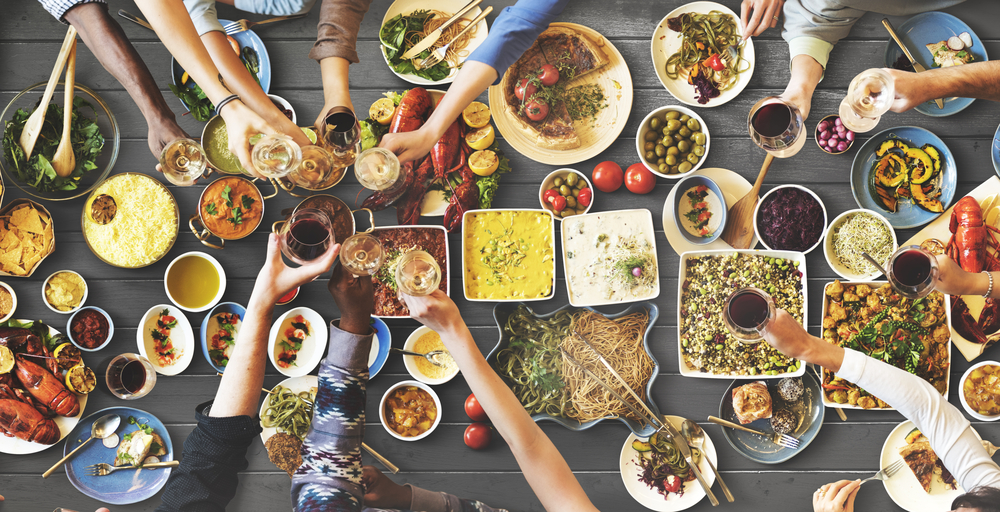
<point x="421" y="385"/>
<point x="206" y="338"/>
<point x="831" y="256"/>
<point x="411" y="361"/>
<point x="961" y="392"/>
<point x="756" y="217"/>
<point x="719" y="207"/>
<point x="278" y="100"/>
<point x="86" y="292"/>
<point x="640" y="140"/>
<point x="547" y="183"/>
<point x="13" y="306"/>
<point x="69" y="328"/>
<point x="816" y="132"/>
<point x="218" y="268"/>
<point x="181" y="338"/>
<point x="313" y="345"/>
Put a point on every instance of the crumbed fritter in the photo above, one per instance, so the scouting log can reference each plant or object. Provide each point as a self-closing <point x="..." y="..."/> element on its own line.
<point x="284" y="452"/>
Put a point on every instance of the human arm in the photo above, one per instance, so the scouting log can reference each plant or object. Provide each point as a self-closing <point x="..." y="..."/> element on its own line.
<point x="382" y="493"/>
<point x="541" y="463"/>
<point x="836" y="497"/>
<point x="974" y="80"/>
<point x="759" y="15"/>
<point x="335" y="50"/>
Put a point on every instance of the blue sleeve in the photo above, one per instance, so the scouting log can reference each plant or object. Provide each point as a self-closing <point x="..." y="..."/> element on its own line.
<point x="513" y="32"/>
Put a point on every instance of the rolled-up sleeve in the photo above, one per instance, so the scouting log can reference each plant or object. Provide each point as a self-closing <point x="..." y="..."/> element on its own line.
<point x="204" y="16"/>
<point x="813" y="27"/>
<point x="337" y="32"/>
<point x="58" y="8"/>
<point x="513" y="32"/>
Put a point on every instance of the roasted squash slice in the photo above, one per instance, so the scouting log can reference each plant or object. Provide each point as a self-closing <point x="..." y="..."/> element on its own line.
<point x="922" y="168"/>
<point x="924" y="201"/>
<point x="640" y="446"/>
<point x="934" y="155"/>
<point x="889" y="145"/>
<point x="890" y="170"/>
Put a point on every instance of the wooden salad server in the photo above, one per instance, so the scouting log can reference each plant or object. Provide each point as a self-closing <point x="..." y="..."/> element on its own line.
<point x="33" y="127"/>
<point x="64" y="161"/>
<point x="739" y="227"/>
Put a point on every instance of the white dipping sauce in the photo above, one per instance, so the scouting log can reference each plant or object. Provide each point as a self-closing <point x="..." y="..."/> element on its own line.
<point x="594" y="246"/>
<point x="715" y="207"/>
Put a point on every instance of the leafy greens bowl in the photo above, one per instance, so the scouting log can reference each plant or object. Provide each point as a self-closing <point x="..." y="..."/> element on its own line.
<point x="503" y="311"/>
<point x="43" y="183"/>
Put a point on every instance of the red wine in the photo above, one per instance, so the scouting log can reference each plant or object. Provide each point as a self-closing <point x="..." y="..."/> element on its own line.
<point x="911" y="268"/>
<point x="306" y="239"/>
<point x="748" y="310"/>
<point x="133" y="376"/>
<point x="340" y="121"/>
<point x="772" y="119"/>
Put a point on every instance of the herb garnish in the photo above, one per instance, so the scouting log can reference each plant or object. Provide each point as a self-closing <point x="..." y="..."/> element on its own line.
<point x="892" y="341"/>
<point x="210" y="209"/>
<point x="225" y="196"/>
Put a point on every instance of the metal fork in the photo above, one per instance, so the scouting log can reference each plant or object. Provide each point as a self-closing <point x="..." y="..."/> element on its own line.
<point x="244" y="25"/>
<point x="105" y="469"/>
<point x="439" y="54"/>
<point x="779" y="439"/>
<point x="886" y="472"/>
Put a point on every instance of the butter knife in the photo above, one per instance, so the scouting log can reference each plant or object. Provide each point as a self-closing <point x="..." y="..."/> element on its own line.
<point x="432" y="38"/>
<point x="918" y="67"/>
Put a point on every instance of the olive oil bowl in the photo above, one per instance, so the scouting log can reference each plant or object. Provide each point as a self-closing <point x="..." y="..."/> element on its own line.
<point x="195" y="281"/>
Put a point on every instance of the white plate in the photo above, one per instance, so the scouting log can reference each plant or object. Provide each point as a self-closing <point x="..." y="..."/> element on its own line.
<point x="650" y="498"/>
<point x="181" y="336"/>
<point x="451" y="6"/>
<point x="904" y="488"/>
<point x="733" y="186"/>
<point x="312" y="347"/>
<point x="666" y="42"/>
<point x="296" y="385"/>
<point x="15" y="446"/>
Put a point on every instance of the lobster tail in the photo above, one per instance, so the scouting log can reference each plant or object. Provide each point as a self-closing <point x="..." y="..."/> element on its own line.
<point x="25" y="423"/>
<point x="46" y="388"/>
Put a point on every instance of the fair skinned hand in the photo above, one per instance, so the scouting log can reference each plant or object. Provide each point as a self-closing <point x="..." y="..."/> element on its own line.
<point x="354" y="299"/>
<point x="951" y="279"/>
<point x="382" y="493"/>
<point x="276" y="279"/>
<point x="910" y="91"/>
<point x="243" y="123"/>
<point x="759" y="15"/>
<point x="409" y="146"/>
<point x="836" y="497"/>
<point x="437" y="311"/>
<point x="786" y="334"/>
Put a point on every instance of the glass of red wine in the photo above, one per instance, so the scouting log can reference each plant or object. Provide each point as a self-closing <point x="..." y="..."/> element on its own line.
<point x="747" y="312"/>
<point x="912" y="271"/>
<point x="130" y="376"/>
<point x="777" y="126"/>
<point x="341" y="132"/>
<point x="307" y="235"/>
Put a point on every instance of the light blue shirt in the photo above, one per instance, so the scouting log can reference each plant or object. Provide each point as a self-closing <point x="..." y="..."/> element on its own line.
<point x="514" y="31"/>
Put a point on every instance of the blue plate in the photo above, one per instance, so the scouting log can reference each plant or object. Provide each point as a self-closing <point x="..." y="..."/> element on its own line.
<point x="682" y="187"/>
<point x="927" y="28"/>
<point x="245" y="38"/>
<point x="908" y="215"/>
<point x="810" y="410"/>
<point x="995" y="151"/>
<point x="222" y="307"/>
<point x="384" y="338"/>
<point x="122" y="487"/>
<point x="503" y="310"/>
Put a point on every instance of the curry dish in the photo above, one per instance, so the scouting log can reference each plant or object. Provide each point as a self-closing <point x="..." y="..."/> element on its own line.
<point x="231" y="208"/>
<point x="509" y="255"/>
<point x="910" y="334"/>
<point x="410" y="411"/>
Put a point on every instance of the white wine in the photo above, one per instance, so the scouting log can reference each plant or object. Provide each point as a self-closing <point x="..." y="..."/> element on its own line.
<point x="378" y="169"/>
<point x="417" y="273"/>
<point x="316" y="169"/>
<point x="868" y="97"/>
<point x="362" y="254"/>
<point x="183" y="161"/>
<point x="274" y="156"/>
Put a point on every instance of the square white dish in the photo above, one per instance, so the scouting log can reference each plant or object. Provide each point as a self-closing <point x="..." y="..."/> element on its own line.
<point x="465" y="254"/>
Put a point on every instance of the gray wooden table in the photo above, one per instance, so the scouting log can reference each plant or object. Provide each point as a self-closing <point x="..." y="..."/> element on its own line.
<point x="30" y="38"/>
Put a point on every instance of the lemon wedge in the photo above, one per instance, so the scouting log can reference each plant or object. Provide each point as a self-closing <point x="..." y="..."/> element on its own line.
<point x="67" y="356"/>
<point x="476" y="115"/>
<point x="481" y="138"/>
<point x="310" y="133"/>
<point x="382" y="110"/>
<point x="6" y="360"/>
<point x="484" y="162"/>
<point x="81" y="380"/>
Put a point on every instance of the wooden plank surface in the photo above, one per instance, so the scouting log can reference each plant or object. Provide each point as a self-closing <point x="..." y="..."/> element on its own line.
<point x="29" y="37"/>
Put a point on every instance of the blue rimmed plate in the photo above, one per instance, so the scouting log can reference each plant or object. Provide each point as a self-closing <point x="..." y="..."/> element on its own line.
<point x="995" y="151"/>
<point x="908" y="214"/>
<point x="380" y="347"/>
<point x="503" y="310"/>
<point x="809" y="410"/>
<point x="122" y="487"/>
<point x="222" y="307"/>
<point x="927" y="28"/>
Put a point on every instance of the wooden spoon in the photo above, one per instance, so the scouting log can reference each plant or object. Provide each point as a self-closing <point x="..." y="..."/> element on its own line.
<point x="33" y="127"/>
<point x="739" y="227"/>
<point x="64" y="160"/>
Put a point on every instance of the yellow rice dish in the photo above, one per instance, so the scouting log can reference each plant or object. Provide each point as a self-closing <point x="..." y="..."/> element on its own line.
<point x="140" y="225"/>
<point x="509" y="255"/>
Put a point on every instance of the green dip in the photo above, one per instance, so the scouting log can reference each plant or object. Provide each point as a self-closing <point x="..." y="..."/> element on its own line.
<point x="215" y="140"/>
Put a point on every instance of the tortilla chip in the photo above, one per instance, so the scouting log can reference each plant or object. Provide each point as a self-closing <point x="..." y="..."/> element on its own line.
<point x="19" y="214"/>
<point x="17" y="271"/>
<point x="32" y="222"/>
<point x="31" y="261"/>
<point x="9" y="240"/>
<point x="11" y="258"/>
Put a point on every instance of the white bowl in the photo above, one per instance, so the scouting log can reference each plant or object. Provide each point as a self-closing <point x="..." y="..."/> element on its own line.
<point x="640" y="140"/>
<point x="831" y="257"/>
<point x="86" y="292"/>
<point x="421" y="385"/>
<point x="411" y="363"/>
<point x="313" y="346"/>
<point x="13" y="298"/>
<point x="218" y="268"/>
<point x="181" y="337"/>
<point x="961" y="392"/>
<point x="547" y="184"/>
<point x="284" y="103"/>
<point x="756" y="210"/>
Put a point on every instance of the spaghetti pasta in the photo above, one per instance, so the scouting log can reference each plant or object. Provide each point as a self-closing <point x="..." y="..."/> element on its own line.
<point x="457" y="49"/>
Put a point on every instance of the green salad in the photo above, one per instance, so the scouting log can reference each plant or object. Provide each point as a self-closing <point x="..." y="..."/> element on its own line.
<point x="194" y="98"/>
<point x="399" y="34"/>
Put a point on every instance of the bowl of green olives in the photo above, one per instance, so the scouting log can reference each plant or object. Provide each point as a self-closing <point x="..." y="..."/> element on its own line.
<point x="566" y="192"/>
<point x="672" y="141"/>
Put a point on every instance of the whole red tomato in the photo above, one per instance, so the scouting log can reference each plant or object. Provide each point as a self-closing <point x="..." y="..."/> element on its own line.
<point x="474" y="410"/>
<point x="525" y="89"/>
<point x="549" y="75"/>
<point x="585" y="197"/>
<point x="478" y="436"/>
<point x="536" y="110"/>
<point x="639" y="180"/>
<point x="607" y="176"/>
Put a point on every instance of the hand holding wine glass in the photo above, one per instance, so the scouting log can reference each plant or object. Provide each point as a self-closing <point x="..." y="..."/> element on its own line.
<point x="276" y="278"/>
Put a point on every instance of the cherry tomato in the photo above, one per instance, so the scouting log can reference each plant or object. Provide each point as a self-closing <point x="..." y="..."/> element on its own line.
<point x="549" y="75"/>
<point x="585" y="196"/>
<point x="672" y="484"/>
<point x="549" y="195"/>
<point x="715" y="62"/>
<point x="558" y="203"/>
<point x="478" y="435"/>
<point x="639" y="180"/>
<point x="607" y="176"/>
<point x="536" y="110"/>
<point x="474" y="409"/>
<point x="525" y="89"/>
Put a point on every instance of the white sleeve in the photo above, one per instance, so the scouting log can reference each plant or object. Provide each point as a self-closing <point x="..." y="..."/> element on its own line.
<point x="204" y="16"/>
<point x="950" y="434"/>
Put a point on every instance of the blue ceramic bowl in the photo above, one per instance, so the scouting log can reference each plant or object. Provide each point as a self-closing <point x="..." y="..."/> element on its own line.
<point x="384" y="342"/>
<point x="69" y="330"/>
<point x="679" y="197"/>
<point x="223" y="307"/>
<point x="503" y="310"/>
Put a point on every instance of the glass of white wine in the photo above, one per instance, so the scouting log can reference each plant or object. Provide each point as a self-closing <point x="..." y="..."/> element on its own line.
<point x="868" y="97"/>
<point x="275" y="156"/>
<point x="183" y="161"/>
<point x="378" y="169"/>
<point x="417" y="273"/>
<point x="316" y="171"/>
<point x="362" y="254"/>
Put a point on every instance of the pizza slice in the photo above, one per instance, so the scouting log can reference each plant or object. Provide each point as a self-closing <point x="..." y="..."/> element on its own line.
<point x="921" y="460"/>
<point x="564" y="47"/>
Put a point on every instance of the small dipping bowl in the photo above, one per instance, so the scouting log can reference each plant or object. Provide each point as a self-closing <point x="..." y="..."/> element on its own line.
<point x="826" y="149"/>
<point x="86" y="292"/>
<point x="282" y="103"/>
<point x="831" y="255"/>
<point x="421" y="385"/>
<point x="72" y="338"/>
<point x="13" y="298"/>
<point x="961" y="392"/>
<point x="718" y="208"/>
<point x="218" y="268"/>
<point x="756" y="218"/>
<point x="411" y="363"/>
<point x="549" y="182"/>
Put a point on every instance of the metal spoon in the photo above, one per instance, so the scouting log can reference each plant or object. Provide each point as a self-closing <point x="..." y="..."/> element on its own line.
<point x="695" y="436"/>
<point x="873" y="262"/>
<point x="430" y="356"/>
<point x="103" y="427"/>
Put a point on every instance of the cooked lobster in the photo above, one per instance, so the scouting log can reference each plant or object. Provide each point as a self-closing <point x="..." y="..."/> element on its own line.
<point x="24" y="422"/>
<point x="410" y="115"/>
<point x="46" y="388"/>
<point x="973" y="246"/>
<point x="464" y="197"/>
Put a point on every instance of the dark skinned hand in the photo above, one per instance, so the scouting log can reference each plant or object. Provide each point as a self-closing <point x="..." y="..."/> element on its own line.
<point x="354" y="299"/>
<point x="382" y="492"/>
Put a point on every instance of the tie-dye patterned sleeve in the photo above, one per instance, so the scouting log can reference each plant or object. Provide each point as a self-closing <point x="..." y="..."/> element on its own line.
<point x="330" y="475"/>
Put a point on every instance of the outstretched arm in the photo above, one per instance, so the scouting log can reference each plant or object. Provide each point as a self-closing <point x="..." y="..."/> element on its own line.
<point x="335" y="50"/>
<point x="975" y="80"/>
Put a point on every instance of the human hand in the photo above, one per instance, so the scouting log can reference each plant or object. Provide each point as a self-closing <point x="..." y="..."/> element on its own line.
<point x="409" y="146"/>
<point x="910" y="90"/>
<point x="765" y="15"/>
<point x="382" y="493"/>
<point x="162" y="132"/>
<point x="276" y="279"/>
<point x="953" y="280"/>
<point x="437" y="311"/>
<point x="836" y="497"/>
<point x="354" y="299"/>
<point x="786" y="334"/>
<point x="241" y="124"/>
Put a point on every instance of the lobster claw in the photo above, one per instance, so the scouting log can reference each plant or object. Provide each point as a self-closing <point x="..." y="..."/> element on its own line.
<point x="964" y="324"/>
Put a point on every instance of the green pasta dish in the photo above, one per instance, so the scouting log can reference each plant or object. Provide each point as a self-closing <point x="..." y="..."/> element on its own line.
<point x="705" y="59"/>
<point x="288" y="412"/>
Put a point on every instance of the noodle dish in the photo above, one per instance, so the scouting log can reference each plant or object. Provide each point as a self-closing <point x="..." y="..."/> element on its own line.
<point x="406" y="23"/>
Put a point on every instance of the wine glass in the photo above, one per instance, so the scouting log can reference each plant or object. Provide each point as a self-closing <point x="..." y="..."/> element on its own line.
<point x="912" y="272"/>
<point x="316" y="169"/>
<point x="747" y="312"/>
<point x="362" y="254"/>
<point x="417" y="273"/>
<point x="306" y="235"/>
<point x="130" y="376"/>
<point x="378" y="169"/>
<point x="341" y="132"/>
<point x="777" y="127"/>
<point x="183" y="161"/>
<point x="274" y="156"/>
<point x="868" y="97"/>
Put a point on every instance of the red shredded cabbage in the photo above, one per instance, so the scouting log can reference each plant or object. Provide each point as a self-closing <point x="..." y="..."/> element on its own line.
<point x="790" y="219"/>
<point x="706" y="90"/>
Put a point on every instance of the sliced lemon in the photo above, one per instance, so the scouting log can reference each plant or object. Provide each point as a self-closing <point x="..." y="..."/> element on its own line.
<point x="481" y="138"/>
<point x="67" y="356"/>
<point x="184" y="78"/>
<point x="6" y="360"/>
<point x="484" y="162"/>
<point x="382" y="110"/>
<point x="476" y="115"/>
<point x="81" y="380"/>
<point x="310" y="133"/>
